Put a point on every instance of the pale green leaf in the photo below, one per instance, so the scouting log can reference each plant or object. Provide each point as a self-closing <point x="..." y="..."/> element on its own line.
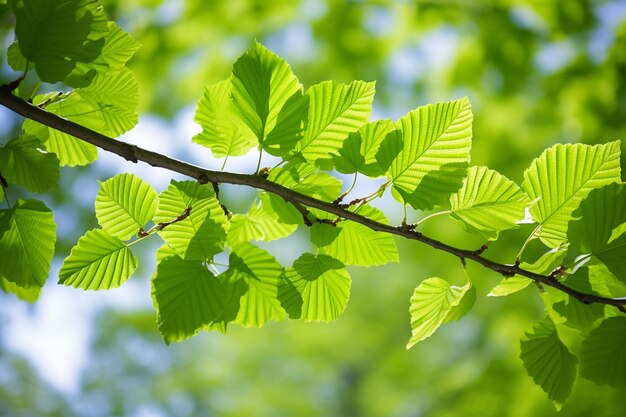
<point x="28" y="235"/>
<point x="222" y="130"/>
<point x="548" y="361"/>
<point x="428" y="158"/>
<point x="260" y="223"/>
<point x="259" y="270"/>
<point x="269" y="99"/>
<point x="118" y="48"/>
<point x="335" y="111"/>
<point x="200" y="235"/>
<point x="15" y="59"/>
<point x="561" y="177"/>
<point x="509" y="286"/>
<point x="99" y="261"/>
<point x="461" y="309"/>
<point x="26" y="294"/>
<point x="56" y="35"/>
<point x="488" y="203"/>
<point x="355" y="244"/>
<point x="124" y="204"/>
<point x="315" y="288"/>
<point x="431" y="304"/>
<point x="358" y="153"/>
<point x="603" y="357"/>
<point x="187" y="297"/>
<point x="23" y="163"/>
<point x="307" y="179"/>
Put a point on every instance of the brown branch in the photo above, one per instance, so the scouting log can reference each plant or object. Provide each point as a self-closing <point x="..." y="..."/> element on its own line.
<point x="134" y="153"/>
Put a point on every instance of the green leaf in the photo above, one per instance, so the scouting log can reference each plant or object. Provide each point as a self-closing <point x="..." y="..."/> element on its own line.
<point x="461" y="309"/>
<point x="99" y="261"/>
<point x="603" y="357"/>
<point x="15" y="59"/>
<point x="56" y="35"/>
<point x="509" y="286"/>
<point x="597" y="225"/>
<point x="268" y="98"/>
<point x="335" y="111"/>
<point x="124" y="204"/>
<point x="187" y="297"/>
<point x="358" y="153"/>
<point x="429" y="156"/>
<point x="488" y="203"/>
<point x="26" y="294"/>
<point x="307" y="179"/>
<point x="432" y="303"/>
<point x="28" y="235"/>
<point x="261" y="223"/>
<point x="548" y="361"/>
<point x="222" y="130"/>
<point x="315" y="288"/>
<point x="119" y="47"/>
<point x="22" y="163"/>
<point x="261" y="273"/>
<point x="561" y="177"/>
<point x="355" y="244"/>
<point x="200" y="235"/>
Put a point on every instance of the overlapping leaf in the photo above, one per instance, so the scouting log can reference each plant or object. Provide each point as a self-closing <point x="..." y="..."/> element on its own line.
<point x="26" y="294"/>
<point x="428" y="157"/>
<point x="307" y="179"/>
<point x="358" y="153"/>
<point x="603" y="357"/>
<point x="561" y="177"/>
<point x="27" y="238"/>
<point x="187" y="297"/>
<point x="548" y="361"/>
<point x="56" y="35"/>
<point x="432" y="304"/>
<point x="99" y="261"/>
<point x="22" y="163"/>
<point x="335" y="111"/>
<point x="269" y="99"/>
<point x="124" y="204"/>
<point x="201" y="234"/>
<point x="315" y="288"/>
<point x="355" y="244"/>
<point x="488" y="202"/>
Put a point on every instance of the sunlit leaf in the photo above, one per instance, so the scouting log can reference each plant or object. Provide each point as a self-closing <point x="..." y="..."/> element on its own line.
<point x="548" y="361"/>
<point x="428" y="157"/>
<point x="26" y="294"/>
<point x="603" y="357"/>
<point x="431" y="304"/>
<point x="355" y="244"/>
<point x="124" y="204"/>
<point x="307" y="179"/>
<point x="488" y="202"/>
<point x="335" y="111"/>
<point x="561" y="177"/>
<point x="28" y="235"/>
<point x="23" y="163"/>
<point x="358" y="153"/>
<point x="315" y="288"/>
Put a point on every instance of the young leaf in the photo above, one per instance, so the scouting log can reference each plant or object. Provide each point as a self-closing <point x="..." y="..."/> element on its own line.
<point x="335" y="111"/>
<point x="261" y="223"/>
<point x="118" y="48"/>
<point x="307" y="179"/>
<point x="99" y="261"/>
<point x="354" y="244"/>
<point x="22" y="163"/>
<point x="27" y="238"/>
<point x="201" y="234"/>
<point x="488" y="203"/>
<point x="431" y="304"/>
<point x="358" y="153"/>
<point x="510" y="286"/>
<point x="561" y="177"/>
<point x="187" y="297"/>
<point x="548" y="361"/>
<point x="268" y="98"/>
<point x="260" y="271"/>
<point x="315" y="288"/>
<point x="222" y="130"/>
<point x="597" y="225"/>
<point x="26" y="294"/>
<point x="603" y="357"/>
<point x="428" y="159"/>
<point x="55" y="35"/>
<point x="124" y="204"/>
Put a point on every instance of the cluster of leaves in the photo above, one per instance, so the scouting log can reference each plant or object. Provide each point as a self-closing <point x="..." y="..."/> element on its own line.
<point x="573" y="193"/>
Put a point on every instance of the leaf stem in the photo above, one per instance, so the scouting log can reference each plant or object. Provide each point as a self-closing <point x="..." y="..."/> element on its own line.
<point x="258" y="165"/>
<point x="224" y="163"/>
<point x="430" y="216"/>
<point x="530" y="237"/>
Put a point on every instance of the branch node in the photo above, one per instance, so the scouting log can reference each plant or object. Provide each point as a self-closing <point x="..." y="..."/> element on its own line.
<point x="203" y="179"/>
<point x="264" y="172"/>
<point x="181" y="217"/>
<point x="482" y="249"/>
<point x="462" y="259"/>
<point x="142" y="233"/>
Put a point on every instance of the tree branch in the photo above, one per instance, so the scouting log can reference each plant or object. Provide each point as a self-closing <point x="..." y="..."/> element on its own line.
<point x="135" y="154"/>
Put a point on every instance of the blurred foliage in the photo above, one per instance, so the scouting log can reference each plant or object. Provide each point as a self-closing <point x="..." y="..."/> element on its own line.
<point x="537" y="72"/>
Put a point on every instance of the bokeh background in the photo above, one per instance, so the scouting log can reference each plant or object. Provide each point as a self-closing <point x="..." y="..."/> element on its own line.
<point x="536" y="72"/>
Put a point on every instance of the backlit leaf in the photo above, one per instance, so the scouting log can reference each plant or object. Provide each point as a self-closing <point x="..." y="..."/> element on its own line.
<point x="603" y="357"/>
<point x="358" y="153"/>
<point x="23" y="163"/>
